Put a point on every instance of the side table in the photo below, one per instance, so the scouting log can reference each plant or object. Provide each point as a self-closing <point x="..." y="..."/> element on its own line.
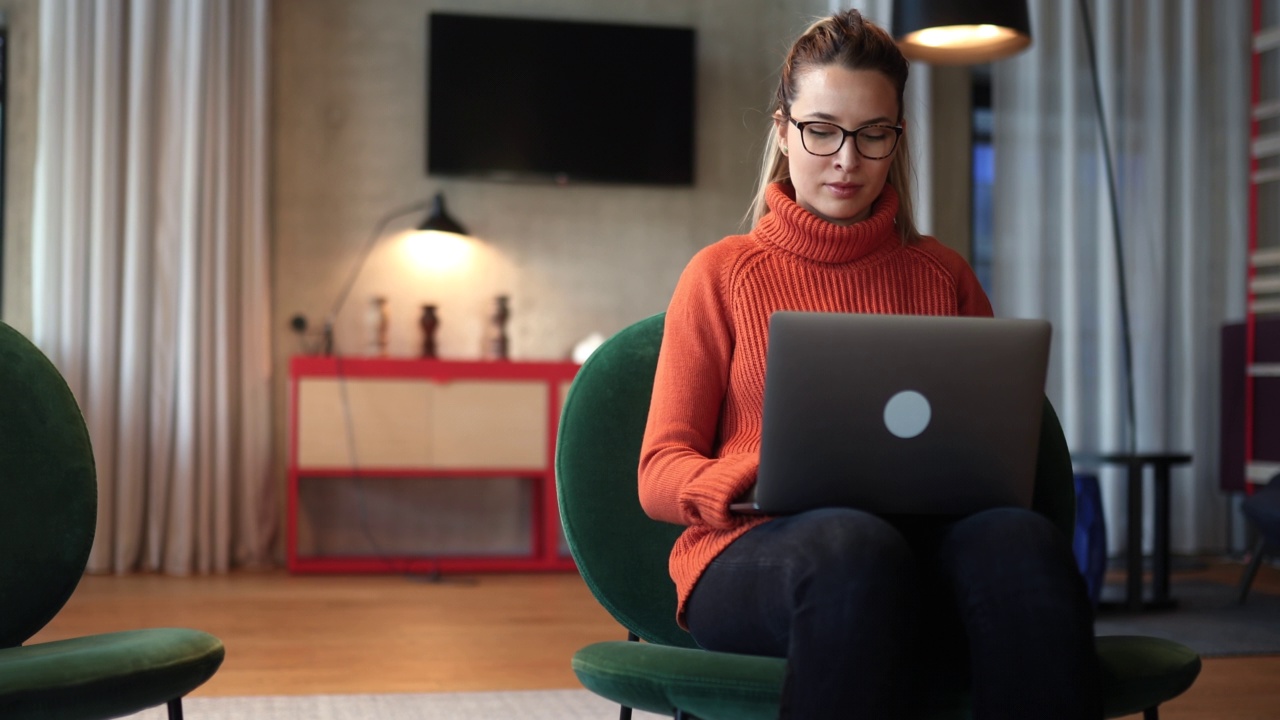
<point x="1161" y="463"/>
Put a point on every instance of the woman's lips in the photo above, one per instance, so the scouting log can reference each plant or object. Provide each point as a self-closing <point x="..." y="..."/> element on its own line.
<point x="843" y="191"/>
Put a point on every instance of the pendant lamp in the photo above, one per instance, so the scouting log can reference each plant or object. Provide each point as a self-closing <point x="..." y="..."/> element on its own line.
<point x="948" y="32"/>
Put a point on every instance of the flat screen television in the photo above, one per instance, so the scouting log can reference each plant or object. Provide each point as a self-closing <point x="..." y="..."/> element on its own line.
<point x="551" y="100"/>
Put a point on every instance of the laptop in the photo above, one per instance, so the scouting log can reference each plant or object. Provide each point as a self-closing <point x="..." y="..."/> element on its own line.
<point x="900" y="414"/>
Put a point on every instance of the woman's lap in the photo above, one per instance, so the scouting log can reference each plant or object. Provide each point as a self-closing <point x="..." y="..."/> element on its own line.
<point x="895" y="600"/>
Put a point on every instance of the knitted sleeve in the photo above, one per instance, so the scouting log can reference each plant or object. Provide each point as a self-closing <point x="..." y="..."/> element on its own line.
<point x="681" y="479"/>
<point x="971" y="300"/>
<point x="970" y="297"/>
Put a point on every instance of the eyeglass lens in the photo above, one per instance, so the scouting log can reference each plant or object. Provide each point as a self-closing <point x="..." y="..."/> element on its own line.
<point x="873" y="142"/>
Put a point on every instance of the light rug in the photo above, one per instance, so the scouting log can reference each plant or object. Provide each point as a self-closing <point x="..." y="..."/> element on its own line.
<point x="526" y="705"/>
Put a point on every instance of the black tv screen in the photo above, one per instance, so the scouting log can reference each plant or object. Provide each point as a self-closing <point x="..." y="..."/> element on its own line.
<point x="549" y="100"/>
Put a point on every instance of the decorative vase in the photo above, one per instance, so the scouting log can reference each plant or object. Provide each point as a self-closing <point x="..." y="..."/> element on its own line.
<point x="495" y="346"/>
<point x="377" y="321"/>
<point x="428" y="322"/>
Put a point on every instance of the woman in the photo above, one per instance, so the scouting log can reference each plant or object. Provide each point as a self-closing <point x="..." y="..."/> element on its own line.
<point x="873" y="614"/>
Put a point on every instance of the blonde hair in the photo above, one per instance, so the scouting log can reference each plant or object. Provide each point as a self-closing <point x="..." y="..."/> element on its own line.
<point x="852" y="42"/>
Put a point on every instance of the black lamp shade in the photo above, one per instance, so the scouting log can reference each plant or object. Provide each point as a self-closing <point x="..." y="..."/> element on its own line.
<point x="951" y="32"/>
<point x="439" y="220"/>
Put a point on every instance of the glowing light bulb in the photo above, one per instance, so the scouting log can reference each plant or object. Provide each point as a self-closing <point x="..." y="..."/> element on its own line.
<point x="962" y="36"/>
<point x="438" y="251"/>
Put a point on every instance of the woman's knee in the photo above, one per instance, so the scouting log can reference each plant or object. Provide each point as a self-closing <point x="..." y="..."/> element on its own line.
<point x="1007" y="526"/>
<point x="1006" y="540"/>
<point x="848" y="542"/>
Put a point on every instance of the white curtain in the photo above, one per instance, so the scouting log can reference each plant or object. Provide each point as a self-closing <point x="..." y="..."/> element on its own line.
<point x="1175" y="84"/>
<point x="150" y="270"/>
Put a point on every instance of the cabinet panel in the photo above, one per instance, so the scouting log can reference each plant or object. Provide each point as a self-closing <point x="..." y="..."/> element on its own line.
<point x="490" y="424"/>
<point x="391" y="423"/>
<point x="428" y="517"/>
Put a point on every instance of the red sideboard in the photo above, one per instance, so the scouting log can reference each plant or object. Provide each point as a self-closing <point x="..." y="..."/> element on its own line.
<point x="395" y="465"/>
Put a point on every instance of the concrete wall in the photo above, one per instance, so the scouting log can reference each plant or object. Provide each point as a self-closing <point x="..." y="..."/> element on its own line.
<point x="348" y="132"/>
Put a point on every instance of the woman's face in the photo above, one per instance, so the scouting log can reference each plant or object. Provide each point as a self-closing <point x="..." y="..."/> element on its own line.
<point x="839" y="188"/>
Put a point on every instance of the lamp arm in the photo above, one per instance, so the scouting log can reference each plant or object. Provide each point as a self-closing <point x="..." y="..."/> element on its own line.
<point x="1127" y="346"/>
<point x="369" y="245"/>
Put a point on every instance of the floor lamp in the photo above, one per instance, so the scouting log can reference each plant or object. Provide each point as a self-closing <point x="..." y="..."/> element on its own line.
<point x="437" y="220"/>
<point x="951" y="31"/>
<point x="966" y="32"/>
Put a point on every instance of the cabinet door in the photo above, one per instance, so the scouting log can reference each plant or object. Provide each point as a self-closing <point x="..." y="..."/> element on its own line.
<point x="490" y="424"/>
<point x="386" y="422"/>
<point x="471" y="424"/>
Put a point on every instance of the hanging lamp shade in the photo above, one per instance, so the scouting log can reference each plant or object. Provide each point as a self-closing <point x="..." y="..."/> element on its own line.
<point x="953" y="32"/>
<point x="439" y="220"/>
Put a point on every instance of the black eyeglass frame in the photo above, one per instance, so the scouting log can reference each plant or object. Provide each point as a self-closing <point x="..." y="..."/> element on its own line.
<point x="897" y="136"/>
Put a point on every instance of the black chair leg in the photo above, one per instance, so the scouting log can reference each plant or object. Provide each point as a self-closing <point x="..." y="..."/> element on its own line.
<point x="1151" y="713"/>
<point x="1246" y="580"/>
<point x="175" y="709"/>
<point x="625" y="712"/>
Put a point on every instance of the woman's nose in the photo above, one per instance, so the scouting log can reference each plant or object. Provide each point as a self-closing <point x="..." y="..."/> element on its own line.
<point x="847" y="157"/>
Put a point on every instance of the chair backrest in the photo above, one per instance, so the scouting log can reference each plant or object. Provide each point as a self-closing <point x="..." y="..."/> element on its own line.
<point x="621" y="552"/>
<point x="1263" y="510"/>
<point x="48" y="490"/>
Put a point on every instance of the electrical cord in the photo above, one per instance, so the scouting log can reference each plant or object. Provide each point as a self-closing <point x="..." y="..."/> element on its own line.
<point x="434" y="575"/>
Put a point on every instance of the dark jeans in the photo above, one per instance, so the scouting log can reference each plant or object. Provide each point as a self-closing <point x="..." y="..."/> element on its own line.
<point x="878" y="617"/>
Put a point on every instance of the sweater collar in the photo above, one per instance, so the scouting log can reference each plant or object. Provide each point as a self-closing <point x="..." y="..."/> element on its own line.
<point x="796" y="230"/>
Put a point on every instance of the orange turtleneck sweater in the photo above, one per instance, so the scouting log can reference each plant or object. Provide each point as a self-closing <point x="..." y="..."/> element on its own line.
<point x="702" y="443"/>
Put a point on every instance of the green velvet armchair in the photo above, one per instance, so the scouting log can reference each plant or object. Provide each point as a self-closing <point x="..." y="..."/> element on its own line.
<point x="622" y="555"/>
<point x="48" y="512"/>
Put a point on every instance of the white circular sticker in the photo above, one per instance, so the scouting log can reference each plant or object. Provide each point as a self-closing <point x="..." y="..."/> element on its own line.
<point x="907" y="414"/>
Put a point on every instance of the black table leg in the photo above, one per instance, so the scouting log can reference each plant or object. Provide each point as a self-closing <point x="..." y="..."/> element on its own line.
<point x="1160" y="551"/>
<point x="1133" y="586"/>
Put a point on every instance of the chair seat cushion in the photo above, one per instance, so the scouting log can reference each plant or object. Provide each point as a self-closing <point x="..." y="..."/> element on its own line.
<point x="105" y="676"/>
<point x="660" y="678"/>
<point x="1138" y="673"/>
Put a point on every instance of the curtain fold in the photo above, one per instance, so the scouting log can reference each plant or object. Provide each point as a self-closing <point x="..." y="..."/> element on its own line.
<point x="1174" y="79"/>
<point x="150" y="270"/>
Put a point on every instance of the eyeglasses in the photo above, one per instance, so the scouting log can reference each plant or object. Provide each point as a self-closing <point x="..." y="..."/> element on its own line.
<point x="873" y="142"/>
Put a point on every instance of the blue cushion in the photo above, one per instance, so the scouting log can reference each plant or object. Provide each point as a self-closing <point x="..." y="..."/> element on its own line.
<point x="1089" y="542"/>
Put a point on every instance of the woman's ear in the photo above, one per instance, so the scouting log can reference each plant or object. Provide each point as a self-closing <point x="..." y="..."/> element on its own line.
<point x="780" y="127"/>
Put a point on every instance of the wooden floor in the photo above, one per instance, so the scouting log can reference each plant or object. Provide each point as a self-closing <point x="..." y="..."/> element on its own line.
<point x="289" y="635"/>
